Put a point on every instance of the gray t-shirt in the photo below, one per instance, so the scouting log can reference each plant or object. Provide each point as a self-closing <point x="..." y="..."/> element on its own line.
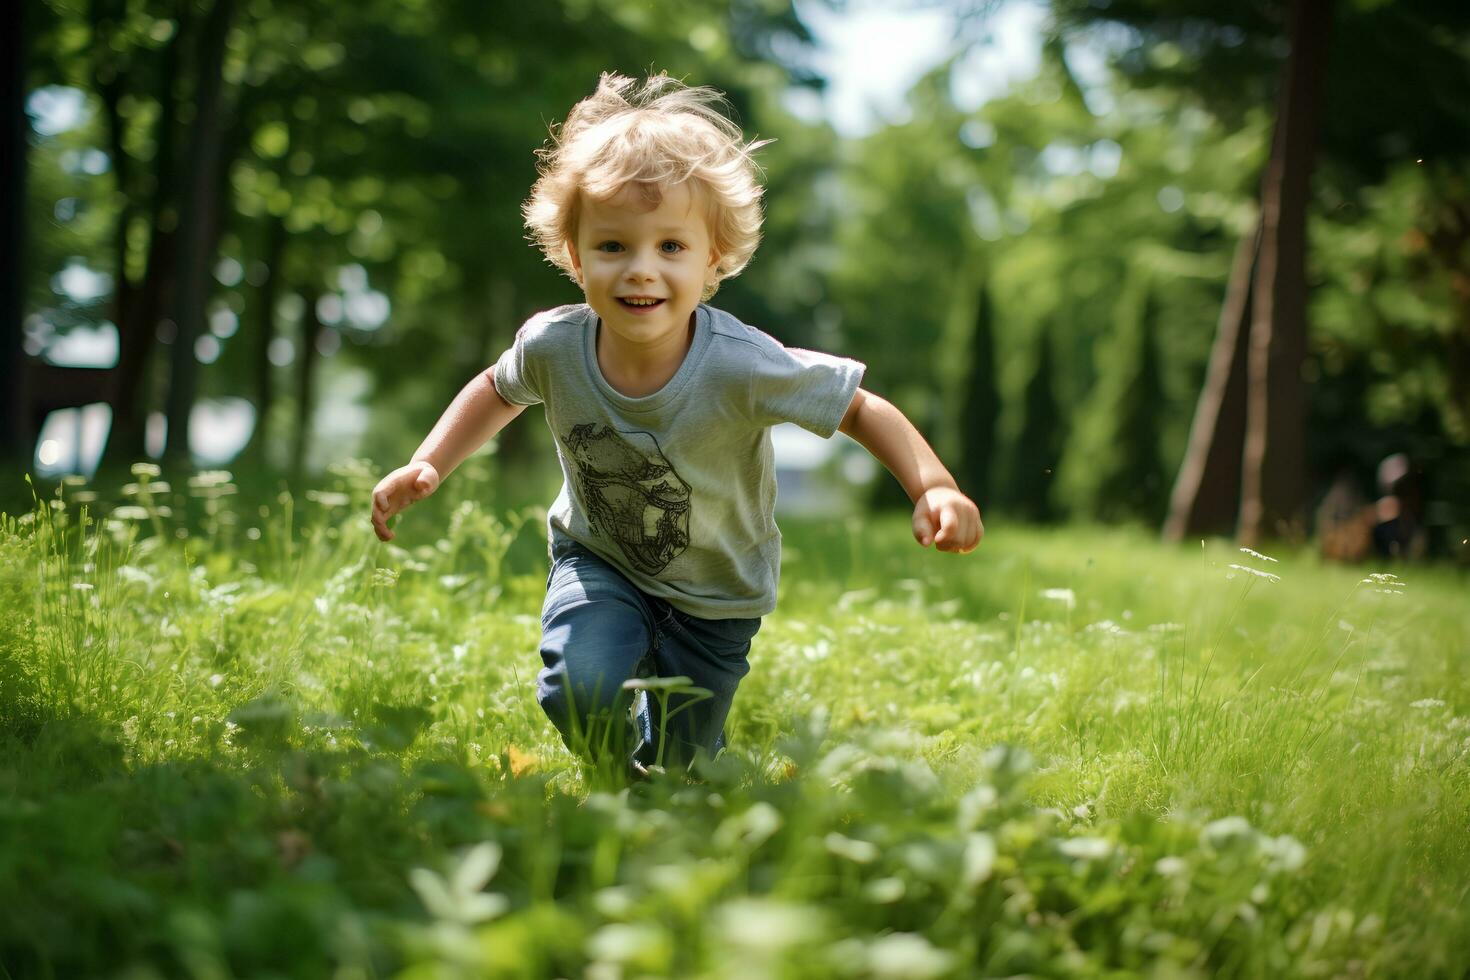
<point x="676" y="489"/>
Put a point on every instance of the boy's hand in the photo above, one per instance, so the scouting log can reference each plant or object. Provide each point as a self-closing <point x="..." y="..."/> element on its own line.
<point x="949" y="519"/>
<point x="394" y="492"/>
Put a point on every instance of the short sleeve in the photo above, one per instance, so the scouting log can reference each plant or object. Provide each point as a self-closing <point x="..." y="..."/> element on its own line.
<point x="515" y="380"/>
<point x="807" y="387"/>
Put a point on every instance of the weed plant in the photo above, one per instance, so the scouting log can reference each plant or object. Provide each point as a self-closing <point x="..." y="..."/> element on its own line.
<point x="246" y="738"/>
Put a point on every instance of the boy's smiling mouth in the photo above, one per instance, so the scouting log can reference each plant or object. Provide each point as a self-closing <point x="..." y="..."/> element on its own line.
<point x="640" y="302"/>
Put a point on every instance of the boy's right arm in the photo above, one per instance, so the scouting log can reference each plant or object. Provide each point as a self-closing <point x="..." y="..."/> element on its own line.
<point x="473" y="418"/>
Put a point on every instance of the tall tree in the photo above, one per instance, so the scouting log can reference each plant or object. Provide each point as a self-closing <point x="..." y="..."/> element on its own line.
<point x="1112" y="467"/>
<point x="420" y="125"/>
<point x="1231" y="55"/>
<point x="152" y="197"/>
<point x="266" y="333"/>
<point x="1206" y="495"/>
<point x="307" y="359"/>
<point x="13" y="141"/>
<point x="981" y="406"/>
<point x="1038" y="447"/>
<point x="1255" y="372"/>
<point x="198" y="221"/>
<point x="1273" y="477"/>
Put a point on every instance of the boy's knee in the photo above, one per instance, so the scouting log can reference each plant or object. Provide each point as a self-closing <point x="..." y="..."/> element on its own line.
<point x="565" y="699"/>
<point x="592" y="718"/>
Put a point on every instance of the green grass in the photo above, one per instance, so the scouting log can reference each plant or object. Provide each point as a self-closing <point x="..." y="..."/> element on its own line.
<point x="248" y="739"/>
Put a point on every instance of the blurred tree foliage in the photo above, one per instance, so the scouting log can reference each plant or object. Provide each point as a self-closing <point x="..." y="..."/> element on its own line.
<point x="372" y="161"/>
<point x="1055" y="197"/>
<point x="367" y="249"/>
<point x="1116" y="470"/>
<point x="1397" y="98"/>
<point x="1072" y="188"/>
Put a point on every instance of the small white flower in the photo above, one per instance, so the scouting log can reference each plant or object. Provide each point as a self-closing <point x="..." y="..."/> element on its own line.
<point x="1220" y="833"/>
<point x="1428" y="703"/>
<point x="328" y="498"/>
<point x="907" y="955"/>
<point x="1256" y="572"/>
<point x="1066" y="597"/>
<point x="1171" y="866"/>
<point x="857" y="851"/>
<point x="1384" y="583"/>
<point x="1286" y="852"/>
<point x="1086" y="848"/>
<point x="883" y="891"/>
<point x="978" y="861"/>
<point x="1105" y="626"/>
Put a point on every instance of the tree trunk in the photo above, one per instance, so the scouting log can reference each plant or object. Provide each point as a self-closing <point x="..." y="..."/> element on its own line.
<point x="139" y="322"/>
<point x="268" y="297"/>
<point x="16" y="437"/>
<point x="306" y="360"/>
<point x="1447" y="230"/>
<point x="1273" y="487"/>
<point x="197" y="223"/>
<point x="109" y="73"/>
<point x="982" y="405"/>
<point x="1206" y="497"/>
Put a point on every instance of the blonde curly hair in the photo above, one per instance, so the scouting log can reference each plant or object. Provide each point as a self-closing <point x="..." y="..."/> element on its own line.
<point x="654" y="135"/>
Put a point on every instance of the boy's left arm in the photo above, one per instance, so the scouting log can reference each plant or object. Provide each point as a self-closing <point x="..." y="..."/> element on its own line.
<point x="941" y="513"/>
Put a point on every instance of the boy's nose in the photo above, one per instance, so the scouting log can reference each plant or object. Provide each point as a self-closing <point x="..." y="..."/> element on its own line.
<point x="641" y="266"/>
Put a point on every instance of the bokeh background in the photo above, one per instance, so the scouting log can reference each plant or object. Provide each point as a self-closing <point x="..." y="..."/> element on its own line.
<point x="1194" y="265"/>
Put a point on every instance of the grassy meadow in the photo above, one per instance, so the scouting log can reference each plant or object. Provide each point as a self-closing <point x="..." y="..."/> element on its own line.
<point x="241" y="737"/>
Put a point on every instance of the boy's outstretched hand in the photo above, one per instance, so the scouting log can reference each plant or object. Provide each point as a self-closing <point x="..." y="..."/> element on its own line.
<point x="949" y="519"/>
<point x="394" y="492"/>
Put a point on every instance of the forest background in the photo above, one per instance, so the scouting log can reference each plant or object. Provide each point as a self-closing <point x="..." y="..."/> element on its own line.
<point x="306" y="215"/>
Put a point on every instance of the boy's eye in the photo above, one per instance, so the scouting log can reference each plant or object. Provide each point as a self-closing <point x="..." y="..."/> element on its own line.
<point x="671" y="247"/>
<point x="609" y="247"/>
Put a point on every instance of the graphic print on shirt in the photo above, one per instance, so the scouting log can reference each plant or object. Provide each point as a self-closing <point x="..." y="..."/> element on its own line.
<point x="632" y="494"/>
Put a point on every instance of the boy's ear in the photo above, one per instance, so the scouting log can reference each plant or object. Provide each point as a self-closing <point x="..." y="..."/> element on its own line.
<point x="576" y="259"/>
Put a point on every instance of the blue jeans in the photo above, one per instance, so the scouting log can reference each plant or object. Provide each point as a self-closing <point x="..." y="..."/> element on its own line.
<point x="599" y="630"/>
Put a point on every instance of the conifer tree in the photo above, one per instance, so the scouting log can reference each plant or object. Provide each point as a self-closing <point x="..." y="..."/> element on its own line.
<point x="1112" y="466"/>
<point x="1043" y="434"/>
<point x="981" y="406"/>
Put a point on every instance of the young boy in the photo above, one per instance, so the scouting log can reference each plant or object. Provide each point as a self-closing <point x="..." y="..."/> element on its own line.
<point x="663" y="545"/>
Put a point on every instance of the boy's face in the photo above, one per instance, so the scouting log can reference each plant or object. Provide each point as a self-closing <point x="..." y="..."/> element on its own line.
<point x="627" y="252"/>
